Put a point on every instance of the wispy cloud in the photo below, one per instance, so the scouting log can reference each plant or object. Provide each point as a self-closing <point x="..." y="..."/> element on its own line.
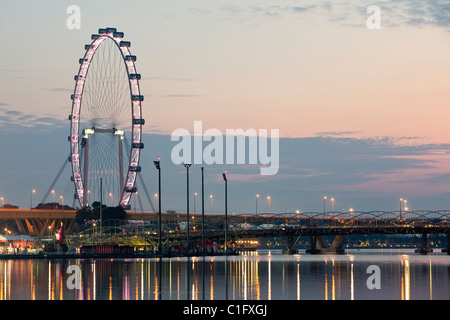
<point x="59" y="89"/>
<point x="165" y="78"/>
<point x="182" y="96"/>
<point x="399" y="13"/>
<point x="248" y="13"/>
<point x="15" y="120"/>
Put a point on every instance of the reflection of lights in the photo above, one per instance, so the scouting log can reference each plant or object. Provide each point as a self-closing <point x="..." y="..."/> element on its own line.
<point x="142" y="279"/>
<point x="352" y="288"/>
<point x="110" y="288"/>
<point x="95" y="281"/>
<point x="333" y="288"/>
<point x="49" y="280"/>
<point x="431" y="283"/>
<point x="298" y="281"/>
<point x="407" y="275"/>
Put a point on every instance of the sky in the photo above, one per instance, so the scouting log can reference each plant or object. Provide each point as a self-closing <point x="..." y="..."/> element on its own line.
<point x="362" y="113"/>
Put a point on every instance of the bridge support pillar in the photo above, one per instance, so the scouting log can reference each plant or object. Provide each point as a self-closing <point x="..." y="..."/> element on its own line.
<point x="448" y="245"/>
<point x="319" y="245"/>
<point x="423" y="249"/>
<point x="290" y="243"/>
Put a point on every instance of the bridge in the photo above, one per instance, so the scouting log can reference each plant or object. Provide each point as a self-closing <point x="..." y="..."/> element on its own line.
<point x="287" y="227"/>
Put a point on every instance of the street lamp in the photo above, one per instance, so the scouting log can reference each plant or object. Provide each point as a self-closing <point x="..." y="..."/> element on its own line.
<point x="3" y="202"/>
<point x="257" y="196"/>
<point x="62" y="201"/>
<point x="156" y="199"/>
<point x="54" y="200"/>
<point x="31" y="199"/>
<point x="224" y="175"/>
<point x="195" y="198"/>
<point x="212" y="203"/>
<point x="187" y="166"/>
<point x="332" y="207"/>
<point x="203" y="211"/>
<point x="101" y="210"/>
<point x="112" y="198"/>
<point x="135" y="200"/>
<point x="324" y="200"/>
<point x="157" y="164"/>
<point x="268" y="198"/>
<point x="406" y="208"/>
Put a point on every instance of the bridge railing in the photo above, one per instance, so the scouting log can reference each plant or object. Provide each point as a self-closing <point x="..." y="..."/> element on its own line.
<point x="241" y="223"/>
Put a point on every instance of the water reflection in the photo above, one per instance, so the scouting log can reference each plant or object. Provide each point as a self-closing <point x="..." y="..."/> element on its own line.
<point x="255" y="276"/>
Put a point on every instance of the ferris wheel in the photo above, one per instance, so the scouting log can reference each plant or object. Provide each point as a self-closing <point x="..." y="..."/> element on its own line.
<point x="106" y="122"/>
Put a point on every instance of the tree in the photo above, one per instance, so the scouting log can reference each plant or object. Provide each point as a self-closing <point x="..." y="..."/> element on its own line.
<point x="10" y="206"/>
<point x="84" y="215"/>
<point x="114" y="213"/>
<point x="87" y="214"/>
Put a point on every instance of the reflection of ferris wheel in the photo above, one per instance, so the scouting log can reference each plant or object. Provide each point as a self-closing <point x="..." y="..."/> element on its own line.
<point x="106" y="121"/>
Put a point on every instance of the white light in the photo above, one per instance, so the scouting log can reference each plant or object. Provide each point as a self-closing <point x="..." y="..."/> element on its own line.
<point x="119" y="133"/>
<point x="87" y="132"/>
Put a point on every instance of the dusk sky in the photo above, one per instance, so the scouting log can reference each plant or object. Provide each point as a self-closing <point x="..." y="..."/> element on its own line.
<point x="363" y="115"/>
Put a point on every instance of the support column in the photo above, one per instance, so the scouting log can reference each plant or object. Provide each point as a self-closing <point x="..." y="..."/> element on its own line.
<point x="290" y="242"/>
<point x="448" y="245"/>
<point x="85" y="172"/>
<point x="122" y="186"/>
<point x="319" y="245"/>
<point x="22" y="230"/>
<point x="423" y="249"/>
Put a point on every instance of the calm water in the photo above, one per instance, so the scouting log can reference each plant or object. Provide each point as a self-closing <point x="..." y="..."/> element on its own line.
<point x="263" y="275"/>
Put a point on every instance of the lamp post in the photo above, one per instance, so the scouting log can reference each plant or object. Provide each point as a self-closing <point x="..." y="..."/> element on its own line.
<point x="332" y="207"/>
<point x="3" y="202"/>
<point x="157" y="164"/>
<point x="256" y="211"/>
<point x="62" y="201"/>
<point x="212" y="203"/>
<point x="268" y="198"/>
<point x="54" y="200"/>
<point x="195" y="198"/>
<point x="31" y="199"/>
<point x="134" y="201"/>
<point x="101" y="213"/>
<point x="112" y="198"/>
<point x="406" y="208"/>
<point x="324" y="202"/>
<point x="226" y="212"/>
<point x="187" y="166"/>
<point x="203" y="212"/>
